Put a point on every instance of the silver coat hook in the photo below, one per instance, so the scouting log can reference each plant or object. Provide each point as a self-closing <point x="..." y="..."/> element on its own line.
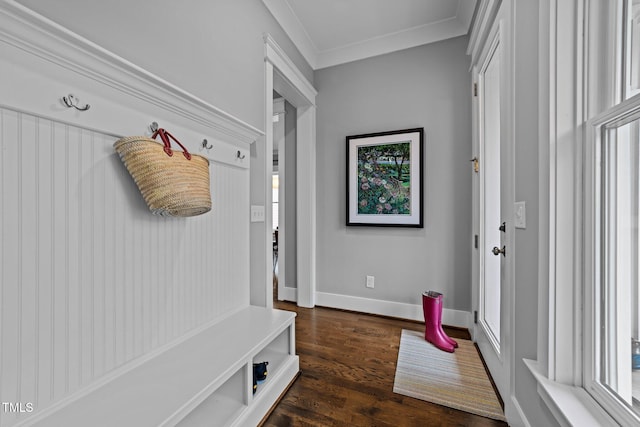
<point x="206" y="145"/>
<point x="72" y="101"/>
<point x="154" y="126"/>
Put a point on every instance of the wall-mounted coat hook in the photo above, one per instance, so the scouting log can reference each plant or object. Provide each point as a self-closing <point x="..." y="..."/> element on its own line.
<point x="72" y="101"/>
<point x="154" y="126"/>
<point x="239" y="155"/>
<point x="206" y="145"/>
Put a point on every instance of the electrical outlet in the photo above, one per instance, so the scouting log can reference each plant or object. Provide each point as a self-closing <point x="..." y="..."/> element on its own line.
<point x="370" y="280"/>
<point x="257" y="213"/>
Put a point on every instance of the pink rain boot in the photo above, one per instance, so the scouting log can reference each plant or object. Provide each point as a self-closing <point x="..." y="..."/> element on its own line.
<point x="432" y="309"/>
<point x="447" y="337"/>
<point x="440" y="297"/>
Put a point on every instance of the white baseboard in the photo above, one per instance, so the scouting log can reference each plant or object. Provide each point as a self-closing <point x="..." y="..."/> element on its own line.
<point x="522" y="418"/>
<point x="457" y="318"/>
<point x="287" y="294"/>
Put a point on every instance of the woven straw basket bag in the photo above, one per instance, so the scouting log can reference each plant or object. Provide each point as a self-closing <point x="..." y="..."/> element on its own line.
<point x="172" y="183"/>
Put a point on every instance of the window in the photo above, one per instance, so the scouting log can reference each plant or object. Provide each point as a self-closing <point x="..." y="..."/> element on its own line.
<point x="632" y="47"/>
<point x="612" y="211"/>
<point x="615" y="367"/>
<point x="618" y="256"/>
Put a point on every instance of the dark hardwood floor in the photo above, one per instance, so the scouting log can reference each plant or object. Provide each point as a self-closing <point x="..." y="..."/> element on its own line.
<point x="348" y="365"/>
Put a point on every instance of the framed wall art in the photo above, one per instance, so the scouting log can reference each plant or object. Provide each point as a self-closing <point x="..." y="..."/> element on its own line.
<point x="385" y="179"/>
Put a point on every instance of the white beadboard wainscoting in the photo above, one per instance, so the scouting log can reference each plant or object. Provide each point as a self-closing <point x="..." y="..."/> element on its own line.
<point x="93" y="286"/>
<point x="90" y="279"/>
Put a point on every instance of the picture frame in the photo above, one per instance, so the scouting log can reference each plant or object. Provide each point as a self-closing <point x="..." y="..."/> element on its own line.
<point x="385" y="179"/>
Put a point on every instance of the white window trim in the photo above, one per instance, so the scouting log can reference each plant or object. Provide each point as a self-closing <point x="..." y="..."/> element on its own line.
<point x="559" y="366"/>
<point x="592" y="179"/>
<point x="566" y="101"/>
<point x="570" y="405"/>
<point x="565" y="203"/>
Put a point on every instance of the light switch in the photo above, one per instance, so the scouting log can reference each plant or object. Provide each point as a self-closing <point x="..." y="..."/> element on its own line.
<point x="520" y="215"/>
<point x="257" y="213"/>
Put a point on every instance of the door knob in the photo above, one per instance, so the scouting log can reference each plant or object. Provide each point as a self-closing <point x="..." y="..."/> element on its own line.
<point x="497" y="251"/>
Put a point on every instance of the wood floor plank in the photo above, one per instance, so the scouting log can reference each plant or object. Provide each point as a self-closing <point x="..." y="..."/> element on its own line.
<point x="348" y="363"/>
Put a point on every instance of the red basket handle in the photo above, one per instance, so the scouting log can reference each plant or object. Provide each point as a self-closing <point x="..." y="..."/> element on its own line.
<point x="164" y="136"/>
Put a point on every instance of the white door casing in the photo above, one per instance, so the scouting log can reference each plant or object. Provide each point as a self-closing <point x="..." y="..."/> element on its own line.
<point x="283" y="76"/>
<point x="493" y="198"/>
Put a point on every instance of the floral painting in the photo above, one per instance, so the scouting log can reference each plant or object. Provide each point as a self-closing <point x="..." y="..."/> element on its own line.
<point x="385" y="178"/>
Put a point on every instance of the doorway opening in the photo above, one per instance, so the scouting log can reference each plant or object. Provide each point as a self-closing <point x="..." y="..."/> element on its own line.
<point x="283" y="204"/>
<point x="284" y="79"/>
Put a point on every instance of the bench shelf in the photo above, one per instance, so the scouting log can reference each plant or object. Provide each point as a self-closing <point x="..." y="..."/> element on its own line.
<point x="205" y="379"/>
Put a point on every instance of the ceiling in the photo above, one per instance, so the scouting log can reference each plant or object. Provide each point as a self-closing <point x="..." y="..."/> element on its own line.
<point x="332" y="32"/>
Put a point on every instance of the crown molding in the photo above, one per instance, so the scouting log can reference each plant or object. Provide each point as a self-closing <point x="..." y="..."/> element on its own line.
<point x="464" y="14"/>
<point x="486" y="13"/>
<point x="412" y="37"/>
<point x="291" y="25"/>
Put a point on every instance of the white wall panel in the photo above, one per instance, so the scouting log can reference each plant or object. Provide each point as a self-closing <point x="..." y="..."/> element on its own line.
<point x="91" y="280"/>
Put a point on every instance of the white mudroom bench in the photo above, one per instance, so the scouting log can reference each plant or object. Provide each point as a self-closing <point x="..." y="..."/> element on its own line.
<point x="206" y="379"/>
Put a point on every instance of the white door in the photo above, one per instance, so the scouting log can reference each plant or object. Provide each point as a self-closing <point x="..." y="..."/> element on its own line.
<point x="494" y="196"/>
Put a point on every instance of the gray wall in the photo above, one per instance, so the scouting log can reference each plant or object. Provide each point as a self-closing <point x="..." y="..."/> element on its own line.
<point x="213" y="49"/>
<point x="426" y="86"/>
